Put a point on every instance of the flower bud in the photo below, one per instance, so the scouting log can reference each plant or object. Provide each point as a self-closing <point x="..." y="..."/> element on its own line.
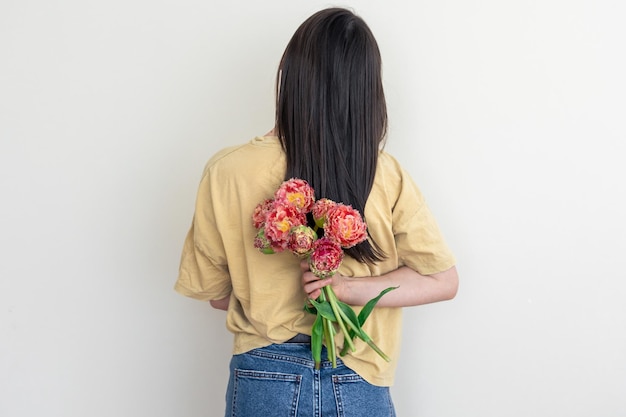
<point x="301" y="240"/>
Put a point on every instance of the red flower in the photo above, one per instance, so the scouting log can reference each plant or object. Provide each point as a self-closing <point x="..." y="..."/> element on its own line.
<point x="320" y="210"/>
<point x="260" y="213"/>
<point x="279" y="222"/>
<point x="325" y="258"/>
<point x="301" y="240"/>
<point x="346" y="226"/>
<point x="295" y="193"/>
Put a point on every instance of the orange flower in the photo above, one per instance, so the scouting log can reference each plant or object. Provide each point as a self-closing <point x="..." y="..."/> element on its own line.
<point x="295" y="193"/>
<point x="346" y="226"/>
<point x="278" y="224"/>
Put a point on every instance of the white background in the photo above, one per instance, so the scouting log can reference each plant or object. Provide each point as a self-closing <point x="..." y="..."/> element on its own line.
<point x="509" y="115"/>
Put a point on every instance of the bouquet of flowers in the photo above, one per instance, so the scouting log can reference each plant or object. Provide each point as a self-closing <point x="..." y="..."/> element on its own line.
<point x="282" y="224"/>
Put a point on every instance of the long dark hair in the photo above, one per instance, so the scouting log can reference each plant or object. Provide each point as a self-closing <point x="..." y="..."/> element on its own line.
<point x="331" y="114"/>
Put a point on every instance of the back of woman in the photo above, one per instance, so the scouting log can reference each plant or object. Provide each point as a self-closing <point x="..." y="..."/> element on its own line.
<point x="330" y="124"/>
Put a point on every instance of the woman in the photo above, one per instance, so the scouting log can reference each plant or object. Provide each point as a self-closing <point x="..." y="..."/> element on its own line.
<point x="331" y="120"/>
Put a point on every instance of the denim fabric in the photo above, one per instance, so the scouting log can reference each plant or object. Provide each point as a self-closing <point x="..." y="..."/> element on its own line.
<point x="281" y="381"/>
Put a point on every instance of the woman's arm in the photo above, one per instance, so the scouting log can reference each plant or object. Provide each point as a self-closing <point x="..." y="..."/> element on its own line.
<point x="414" y="288"/>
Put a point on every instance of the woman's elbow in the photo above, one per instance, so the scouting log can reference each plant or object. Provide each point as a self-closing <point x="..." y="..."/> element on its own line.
<point x="220" y="304"/>
<point x="451" y="279"/>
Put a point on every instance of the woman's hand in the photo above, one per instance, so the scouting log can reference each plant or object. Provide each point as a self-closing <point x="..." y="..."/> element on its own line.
<point x="313" y="285"/>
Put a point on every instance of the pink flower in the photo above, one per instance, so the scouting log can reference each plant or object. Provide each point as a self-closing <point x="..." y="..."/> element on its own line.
<point x="346" y="226"/>
<point x="262" y="243"/>
<point x="325" y="258"/>
<point x="295" y="193"/>
<point x="301" y="240"/>
<point x="260" y="213"/>
<point x="320" y="210"/>
<point x="279" y="222"/>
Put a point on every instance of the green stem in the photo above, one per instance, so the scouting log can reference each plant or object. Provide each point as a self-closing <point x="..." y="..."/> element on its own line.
<point x="329" y="335"/>
<point x="330" y="342"/>
<point x="371" y="344"/>
<point x="332" y="299"/>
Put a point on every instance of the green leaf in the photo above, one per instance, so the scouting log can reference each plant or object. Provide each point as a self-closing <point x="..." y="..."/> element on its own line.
<point x="367" y="308"/>
<point x="324" y="309"/>
<point x="363" y="315"/>
<point x="309" y="308"/>
<point x="316" y="340"/>
<point x="349" y="316"/>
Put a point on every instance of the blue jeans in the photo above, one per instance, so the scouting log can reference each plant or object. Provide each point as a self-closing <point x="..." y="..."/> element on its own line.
<point x="281" y="381"/>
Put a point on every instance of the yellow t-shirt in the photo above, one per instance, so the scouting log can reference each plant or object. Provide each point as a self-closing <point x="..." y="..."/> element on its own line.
<point x="266" y="296"/>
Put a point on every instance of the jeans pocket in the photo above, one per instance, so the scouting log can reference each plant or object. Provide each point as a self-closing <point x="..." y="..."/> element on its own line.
<point x="260" y="393"/>
<point x="358" y="398"/>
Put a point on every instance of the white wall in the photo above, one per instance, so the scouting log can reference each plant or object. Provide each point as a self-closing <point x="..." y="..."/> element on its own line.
<point x="510" y="116"/>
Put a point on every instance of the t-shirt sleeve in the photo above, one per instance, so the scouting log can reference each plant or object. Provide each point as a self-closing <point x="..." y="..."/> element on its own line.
<point x="419" y="241"/>
<point x="203" y="272"/>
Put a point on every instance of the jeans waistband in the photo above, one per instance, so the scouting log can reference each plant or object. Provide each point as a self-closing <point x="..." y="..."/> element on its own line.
<point x="300" y="338"/>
